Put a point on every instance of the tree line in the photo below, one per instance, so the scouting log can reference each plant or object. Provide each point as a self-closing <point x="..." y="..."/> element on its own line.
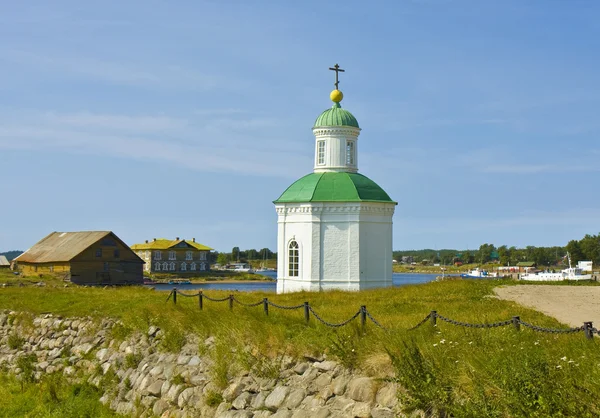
<point x="587" y="248"/>
<point x="243" y="256"/>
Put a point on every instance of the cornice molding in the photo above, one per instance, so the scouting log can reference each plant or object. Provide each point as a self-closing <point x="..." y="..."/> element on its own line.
<point x="342" y="131"/>
<point x="383" y="209"/>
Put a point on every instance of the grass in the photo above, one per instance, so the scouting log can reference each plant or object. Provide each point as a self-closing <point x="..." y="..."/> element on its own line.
<point x="453" y="370"/>
<point x="51" y="397"/>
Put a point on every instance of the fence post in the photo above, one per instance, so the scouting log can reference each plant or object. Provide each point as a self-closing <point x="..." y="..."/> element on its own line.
<point x="174" y="296"/>
<point x="266" y="306"/>
<point x="587" y="329"/>
<point x="200" y="301"/>
<point x="363" y="317"/>
<point x="306" y="312"/>
<point x="230" y="302"/>
<point x="516" y="320"/>
<point x="433" y="317"/>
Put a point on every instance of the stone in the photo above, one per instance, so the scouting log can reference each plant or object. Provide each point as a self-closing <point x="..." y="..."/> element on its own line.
<point x="340" y="403"/>
<point x="173" y="393"/>
<point x="160" y="406"/>
<point x="262" y="414"/>
<point x="361" y="410"/>
<point x="148" y="401"/>
<point x="259" y="400"/>
<point x="316" y="413"/>
<point x="194" y="361"/>
<point x="102" y="354"/>
<point x="325" y="365"/>
<point x="300" y="368"/>
<point x="387" y="395"/>
<point x="222" y="408"/>
<point x="295" y="398"/>
<point x="185" y="397"/>
<point x="69" y="371"/>
<point x="382" y="413"/>
<point x="276" y="398"/>
<point x="154" y="389"/>
<point x="43" y="365"/>
<point x="242" y="401"/>
<point x="339" y="385"/>
<point x="156" y="370"/>
<point x="312" y="402"/>
<point x="236" y="414"/>
<point x="319" y="383"/>
<point x="361" y="389"/>
<point x="233" y="391"/>
<point x="125" y="408"/>
<point x="282" y="413"/>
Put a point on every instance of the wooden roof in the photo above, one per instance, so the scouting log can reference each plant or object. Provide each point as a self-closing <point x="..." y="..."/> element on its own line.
<point x="62" y="246"/>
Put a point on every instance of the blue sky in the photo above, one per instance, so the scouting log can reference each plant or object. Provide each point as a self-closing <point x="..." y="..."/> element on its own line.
<point x="188" y="118"/>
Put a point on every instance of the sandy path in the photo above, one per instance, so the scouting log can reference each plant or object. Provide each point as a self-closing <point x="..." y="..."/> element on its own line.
<point x="572" y="305"/>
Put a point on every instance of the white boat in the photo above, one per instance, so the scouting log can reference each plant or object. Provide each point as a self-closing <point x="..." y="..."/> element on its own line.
<point x="572" y="273"/>
<point x="478" y="273"/>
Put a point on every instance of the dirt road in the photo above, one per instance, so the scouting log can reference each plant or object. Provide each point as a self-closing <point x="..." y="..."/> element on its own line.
<point x="572" y="305"/>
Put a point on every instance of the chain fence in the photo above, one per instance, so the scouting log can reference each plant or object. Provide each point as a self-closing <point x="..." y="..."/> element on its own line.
<point x="587" y="327"/>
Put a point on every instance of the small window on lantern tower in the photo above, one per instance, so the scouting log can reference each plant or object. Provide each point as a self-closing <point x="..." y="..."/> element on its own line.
<point x="350" y="153"/>
<point x="320" y="152"/>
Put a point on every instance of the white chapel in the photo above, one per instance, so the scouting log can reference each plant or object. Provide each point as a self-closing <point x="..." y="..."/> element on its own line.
<point x="334" y="224"/>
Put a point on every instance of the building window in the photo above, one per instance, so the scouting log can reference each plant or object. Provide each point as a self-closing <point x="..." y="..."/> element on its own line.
<point x="193" y="266"/>
<point x="35" y="268"/>
<point x="172" y="266"/>
<point x="203" y="266"/>
<point x="157" y="255"/>
<point x="117" y="253"/>
<point x="51" y="269"/>
<point x="165" y="266"/>
<point x="294" y="259"/>
<point x="202" y="255"/>
<point x="183" y="266"/>
<point x="98" y="252"/>
<point x="172" y="255"/>
<point x="188" y="255"/>
<point x="320" y="152"/>
<point x="350" y="153"/>
<point x="157" y="267"/>
<point x="105" y="266"/>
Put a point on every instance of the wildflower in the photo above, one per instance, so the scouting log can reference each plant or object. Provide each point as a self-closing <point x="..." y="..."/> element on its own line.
<point x="435" y="345"/>
<point x="470" y="342"/>
<point x="442" y="341"/>
<point x="570" y="361"/>
<point x="536" y="343"/>
<point x="559" y="367"/>
<point x="456" y="361"/>
<point x="564" y="358"/>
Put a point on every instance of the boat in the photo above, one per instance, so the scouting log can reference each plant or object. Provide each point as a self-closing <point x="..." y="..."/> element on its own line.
<point x="478" y="273"/>
<point x="179" y="281"/>
<point x="571" y="273"/>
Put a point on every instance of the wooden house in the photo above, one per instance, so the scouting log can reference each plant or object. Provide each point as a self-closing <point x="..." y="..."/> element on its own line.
<point x="86" y="257"/>
<point x="4" y="264"/>
<point x="173" y="256"/>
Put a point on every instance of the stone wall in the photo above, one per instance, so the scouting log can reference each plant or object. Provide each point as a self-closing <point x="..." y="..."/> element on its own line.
<point x="145" y="381"/>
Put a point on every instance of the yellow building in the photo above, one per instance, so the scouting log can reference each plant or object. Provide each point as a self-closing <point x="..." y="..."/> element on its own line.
<point x="85" y="257"/>
<point x="173" y="256"/>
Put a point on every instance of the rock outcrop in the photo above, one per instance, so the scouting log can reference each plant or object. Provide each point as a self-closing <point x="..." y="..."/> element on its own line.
<point x="139" y="379"/>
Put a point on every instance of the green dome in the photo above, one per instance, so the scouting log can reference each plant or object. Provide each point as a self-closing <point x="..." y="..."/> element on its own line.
<point x="334" y="187"/>
<point x="336" y="116"/>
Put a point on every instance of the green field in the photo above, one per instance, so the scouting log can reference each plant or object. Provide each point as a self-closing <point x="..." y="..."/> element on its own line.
<point x="454" y="370"/>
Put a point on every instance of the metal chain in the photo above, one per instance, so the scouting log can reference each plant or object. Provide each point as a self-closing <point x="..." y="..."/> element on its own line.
<point x="285" y="307"/>
<point x="552" y="330"/>
<point x="466" y="324"/>
<point x="329" y="324"/>
<point x="374" y="320"/>
<point x="169" y="297"/>
<point x="250" y="305"/>
<point x="421" y="323"/>
<point x="215" y="300"/>
<point x="187" y="296"/>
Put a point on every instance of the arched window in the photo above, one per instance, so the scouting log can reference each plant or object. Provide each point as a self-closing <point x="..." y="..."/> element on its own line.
<point x="203" y="266"/>
<point x="172" y="266"/>
<point x="165" y="266"/>
<point x="157" y="267"/>
<point x="349" y="152"/>
<point x="293" y="258"/>
<point x="157" y="255"/>
<point x="183" y="266"/>
<point x="193" y="266"/>
<point x="172" y="255"/>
